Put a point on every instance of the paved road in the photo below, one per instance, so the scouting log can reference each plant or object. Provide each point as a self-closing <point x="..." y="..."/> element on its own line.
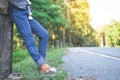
<point x="115" y="52"/>
<point x="92" y="63"/>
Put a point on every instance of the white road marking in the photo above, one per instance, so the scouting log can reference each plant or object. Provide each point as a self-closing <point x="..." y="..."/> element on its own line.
<point x="103" y="55"/>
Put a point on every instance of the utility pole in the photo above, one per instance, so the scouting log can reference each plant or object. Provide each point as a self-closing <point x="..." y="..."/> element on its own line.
<point x="5" y="40"/>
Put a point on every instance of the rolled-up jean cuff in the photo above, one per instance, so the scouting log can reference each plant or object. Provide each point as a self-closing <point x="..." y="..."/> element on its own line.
<point x="40" y="62"/>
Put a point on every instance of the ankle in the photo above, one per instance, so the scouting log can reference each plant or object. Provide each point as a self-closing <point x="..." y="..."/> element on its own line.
<point x="44" y="67"/>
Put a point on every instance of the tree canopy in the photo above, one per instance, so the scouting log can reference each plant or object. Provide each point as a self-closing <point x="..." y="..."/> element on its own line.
<point x="47" y="13"/>
<point x="78" y="14"/>
<point x="110" y="33"/>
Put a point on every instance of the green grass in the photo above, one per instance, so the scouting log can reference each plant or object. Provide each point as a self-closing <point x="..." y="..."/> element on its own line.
<point x="28" y="68"/>
<point x="19" y="55"/>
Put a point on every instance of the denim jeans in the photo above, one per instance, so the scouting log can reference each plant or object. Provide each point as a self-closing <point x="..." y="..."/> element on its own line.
<point x="26" y="28"/>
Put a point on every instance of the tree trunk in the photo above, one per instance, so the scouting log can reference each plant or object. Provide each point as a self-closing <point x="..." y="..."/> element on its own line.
<point x="70" y="39"/>
<point x="64" y="37"/>
<point x="5" y="41"/>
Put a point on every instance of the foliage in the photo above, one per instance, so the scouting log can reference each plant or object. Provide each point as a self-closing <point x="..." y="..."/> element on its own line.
<point x="47" y="13"/>
<point x="114" y="34"/>
<point x="80" y="31"/>
<point x="67" y="22"/>
<point x="111" y="33"/>
<point x="18" y="42"/>
<point x="19" y="55"/>
<point x="50" y="15"/>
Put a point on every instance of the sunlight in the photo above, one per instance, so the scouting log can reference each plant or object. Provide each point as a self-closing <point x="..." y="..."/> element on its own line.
<point x="103" y="11"/>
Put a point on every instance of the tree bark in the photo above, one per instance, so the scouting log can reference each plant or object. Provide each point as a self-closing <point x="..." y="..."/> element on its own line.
<point x="5" y="41"/>
<point x="64" y="37"/>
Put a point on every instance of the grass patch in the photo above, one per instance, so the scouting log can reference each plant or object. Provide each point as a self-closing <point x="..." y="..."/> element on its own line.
<point x="19" y="55"/>
<point x="29" y="69"/>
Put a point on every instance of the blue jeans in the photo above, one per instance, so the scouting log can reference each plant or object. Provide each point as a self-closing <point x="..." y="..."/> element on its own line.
<point x="26" y="28"/>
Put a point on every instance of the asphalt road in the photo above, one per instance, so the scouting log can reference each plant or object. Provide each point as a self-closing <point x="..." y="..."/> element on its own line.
<point x="92" y="63"/>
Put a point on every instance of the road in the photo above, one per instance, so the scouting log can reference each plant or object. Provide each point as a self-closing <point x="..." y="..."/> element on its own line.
<point x="92" y="63"/>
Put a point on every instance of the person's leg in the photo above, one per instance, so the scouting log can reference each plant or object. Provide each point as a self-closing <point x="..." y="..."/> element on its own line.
<point x="22" y="23"/>
<point x="43" y="41"/>
<point x="42" y="34"/>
